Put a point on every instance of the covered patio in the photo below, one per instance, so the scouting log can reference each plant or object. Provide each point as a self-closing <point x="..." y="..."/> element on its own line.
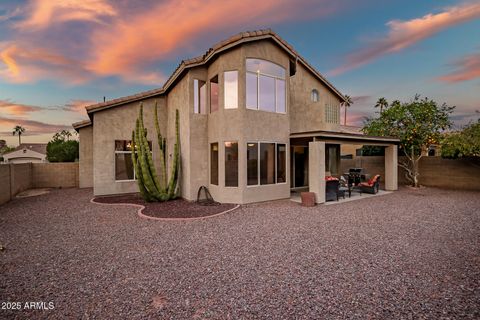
<point x="316" y="154"/>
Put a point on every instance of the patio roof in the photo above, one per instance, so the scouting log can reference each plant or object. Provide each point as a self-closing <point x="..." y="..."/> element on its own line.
<point x="346" y="136"/>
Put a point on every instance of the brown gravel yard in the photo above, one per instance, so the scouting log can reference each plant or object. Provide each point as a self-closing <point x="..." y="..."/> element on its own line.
<point x="411" y="254"/>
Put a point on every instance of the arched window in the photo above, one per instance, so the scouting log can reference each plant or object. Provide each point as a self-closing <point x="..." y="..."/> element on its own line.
<point x="266" y="87"/>
<point x="315" y="95"/>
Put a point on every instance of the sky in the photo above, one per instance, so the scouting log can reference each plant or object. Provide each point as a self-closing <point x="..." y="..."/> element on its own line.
<point x="57" y="56"/>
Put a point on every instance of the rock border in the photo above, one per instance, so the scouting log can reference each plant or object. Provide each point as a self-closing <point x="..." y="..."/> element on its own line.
<point x="144" y="216"/>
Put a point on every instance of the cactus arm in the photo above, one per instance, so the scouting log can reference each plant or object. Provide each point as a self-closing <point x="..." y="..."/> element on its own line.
<point x="172" y="185"/>
<point x="161" y="145"/>
<point x="138" y="174"/>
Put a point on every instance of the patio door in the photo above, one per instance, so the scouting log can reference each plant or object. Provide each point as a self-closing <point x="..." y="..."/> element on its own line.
<point x="299" y="166"/>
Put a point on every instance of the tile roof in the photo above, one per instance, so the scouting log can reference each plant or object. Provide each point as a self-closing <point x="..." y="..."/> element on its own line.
<point x="81" y="124"/>
<point x="37" y="147"/>
<point x="223" y="45"/>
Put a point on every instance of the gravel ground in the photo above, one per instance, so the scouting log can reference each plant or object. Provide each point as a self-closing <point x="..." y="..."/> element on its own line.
<point x="177" y="208"/>
<point x="411" y="254"/>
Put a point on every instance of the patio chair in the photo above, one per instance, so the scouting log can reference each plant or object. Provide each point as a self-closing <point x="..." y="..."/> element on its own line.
<point x="371" y="186"/>
<point x="332" y="190"/>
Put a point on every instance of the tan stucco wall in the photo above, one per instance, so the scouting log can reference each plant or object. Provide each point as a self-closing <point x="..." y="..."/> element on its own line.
<point x="117" y="124"/>
<point x="5" y="183"/>
<point x="55" y="175"/>
<point x="244" y="125"/>
<point x="85" y="137"/>
<point x="306" y="115"/>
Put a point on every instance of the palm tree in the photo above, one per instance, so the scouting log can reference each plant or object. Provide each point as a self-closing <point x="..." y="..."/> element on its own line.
<point x="381" y="103"/>
<point x="346" y="104"/>
<point x="18" y="130"/>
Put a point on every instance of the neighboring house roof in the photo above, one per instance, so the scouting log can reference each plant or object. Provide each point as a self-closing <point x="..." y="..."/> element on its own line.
<point x="24" y="153"/>
<point x="229" y="43"/>
<point x="40" y="148"/>
<point x="345" y="135"/>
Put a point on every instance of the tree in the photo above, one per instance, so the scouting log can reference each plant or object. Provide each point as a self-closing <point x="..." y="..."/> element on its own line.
<point x="465" y="143"/>
<point x="382" y="103"/>
<point x="417" y="124"/>
<point x="61" y="149"/>
<point x="346" y="104"/>
<point x="18" y="130"/>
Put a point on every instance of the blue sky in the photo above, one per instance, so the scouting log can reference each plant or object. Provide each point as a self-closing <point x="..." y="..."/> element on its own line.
<point x="58" y="56"/>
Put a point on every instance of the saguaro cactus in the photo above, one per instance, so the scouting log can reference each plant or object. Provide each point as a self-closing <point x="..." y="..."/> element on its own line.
<point x="152" y="187"/>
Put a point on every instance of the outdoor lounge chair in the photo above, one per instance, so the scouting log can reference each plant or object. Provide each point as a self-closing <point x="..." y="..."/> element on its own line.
<point x="371" y="186"/>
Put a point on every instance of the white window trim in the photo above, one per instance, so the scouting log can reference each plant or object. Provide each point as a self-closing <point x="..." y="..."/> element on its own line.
<point x="115" y="164"/>
<point x="199" y="101"/>
<point x="258" y="73"/>
<point x="276" y="164"/>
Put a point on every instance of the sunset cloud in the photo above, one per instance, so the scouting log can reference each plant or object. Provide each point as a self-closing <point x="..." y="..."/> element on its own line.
<point x="130" y="45"/>
<point x="78" y="106"/>
<point x="32" y="127"/>
<point x="20" y="64"/>
<point x="17" y="109"/>
<point x="403" y="34"/>
<point x="129" y="41"/>
<point x="42" y="14"/>
<point x="467" y="68"/>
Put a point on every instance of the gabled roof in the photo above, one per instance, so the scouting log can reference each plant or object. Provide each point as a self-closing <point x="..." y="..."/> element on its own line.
<point x="229" y="43"/>
<point x="37" y="147"/>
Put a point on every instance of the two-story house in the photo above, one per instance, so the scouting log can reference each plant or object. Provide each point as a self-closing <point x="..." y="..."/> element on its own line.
<point x="256" y="120"/>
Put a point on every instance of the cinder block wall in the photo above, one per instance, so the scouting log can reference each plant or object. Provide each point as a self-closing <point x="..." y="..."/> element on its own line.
<point x="434" y="171"/>
<point x="20" y="177"/>
<point x="4" y="183"/>
<point x="15" y="178"/>
<point x="55" y="175"/>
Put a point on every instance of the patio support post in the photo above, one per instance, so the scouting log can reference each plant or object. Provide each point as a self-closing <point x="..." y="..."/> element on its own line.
<point x="316" y="170"/>
<point x="391" y="168"/>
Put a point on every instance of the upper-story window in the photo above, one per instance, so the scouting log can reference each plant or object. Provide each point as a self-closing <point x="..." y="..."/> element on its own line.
<point x="230" y="88"/>
<point x="265" y="87"/>
<point x="214" y="94"/>
<point x="199" y="96"/>
<point x="315" y="96"/>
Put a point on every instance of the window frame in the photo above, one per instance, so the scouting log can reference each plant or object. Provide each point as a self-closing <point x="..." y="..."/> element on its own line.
<point x="218" y="164"/>
<point x="225" y="91"/>
<point x="276" y="163"/>
<point x="126" y="152"/>
<point x="224" y="163"/>
<point x="257" y="74"/>
<point x="210" y="93"/>
<point x="199" y="98"/>
<point x="315" y="92"/>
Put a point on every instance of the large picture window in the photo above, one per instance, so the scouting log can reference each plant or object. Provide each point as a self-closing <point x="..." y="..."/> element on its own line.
<point x="231" y="164"/>
<point x="230" y="89"/>
<point x="199" y="96"/>
<point x="265" y="86"/>
<point x="266" y="163"/>
<point x="214" y="163"/>
<point x="123" y="160"/>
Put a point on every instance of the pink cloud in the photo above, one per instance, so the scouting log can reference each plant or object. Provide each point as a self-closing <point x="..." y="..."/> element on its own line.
<point x="126" y="40"/>
<point x="468" y="68"/>
<point x="42" y="14"/>
<point x="27" y="64"/>
<point x="78" y="106"/>
<point x="403" y="34"/>
<point x="17" y="109"/>
<point x="32" y="127"/>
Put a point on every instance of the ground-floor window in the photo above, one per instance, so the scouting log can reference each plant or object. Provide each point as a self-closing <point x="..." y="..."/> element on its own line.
<point x="123" y="160"/>
<point x="231" y="164"/>
<point x="214" y="163"/>
<point x="266" y="163"/>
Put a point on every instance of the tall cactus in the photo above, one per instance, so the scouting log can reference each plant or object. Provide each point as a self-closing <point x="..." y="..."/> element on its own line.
<point x="152" y="187"/>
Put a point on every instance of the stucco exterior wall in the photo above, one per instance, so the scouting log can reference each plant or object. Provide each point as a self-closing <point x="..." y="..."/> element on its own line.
<point x="85" y="137"/>
<point x="244" y="125"/>
<point x="5" y="183"/>
<point x="306" y="115"/>
<point x="55" y="175"/>
<point x="117" y="124"/>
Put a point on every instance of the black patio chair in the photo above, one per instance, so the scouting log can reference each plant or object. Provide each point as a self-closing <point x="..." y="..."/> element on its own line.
<point x="332" y="191"/>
